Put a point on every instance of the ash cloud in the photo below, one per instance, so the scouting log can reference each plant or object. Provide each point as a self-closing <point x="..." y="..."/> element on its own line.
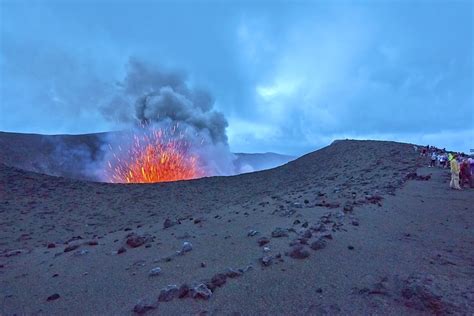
<point x="149" y="95"/>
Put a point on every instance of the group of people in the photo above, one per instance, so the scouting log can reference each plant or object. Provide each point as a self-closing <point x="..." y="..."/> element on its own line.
<point x="461" y="165"/>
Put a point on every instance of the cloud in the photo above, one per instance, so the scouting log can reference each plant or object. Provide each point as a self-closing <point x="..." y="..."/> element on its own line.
<point x="363" y="72"/>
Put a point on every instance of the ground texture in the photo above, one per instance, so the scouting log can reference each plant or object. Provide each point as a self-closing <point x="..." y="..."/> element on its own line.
<point x="348" y="229"/>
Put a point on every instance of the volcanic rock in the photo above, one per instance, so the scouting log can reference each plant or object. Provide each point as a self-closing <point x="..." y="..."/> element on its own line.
<point x="81" y="252"/>
<point x="318" y="244"/>
<point x="298" y="252"/>
<point x="168" y="293"/>
<point x="71" y="247"/>
<point x="348" y="207"/>
<point x="169" y="223"/>
<point x="219" y="279"/>
<point x="306" y="233"/>
<point x="252" y="233"/>
<point x="144" y="306"/>
<point x="421" y="292"/>
<point x="201" y="291"/>
<point x="183" y="290"/>
<point x="135" y="240"/>
<point x="266" y="260"/>
<point x="187" y="246"/>
<point x="280" y="232"/>
<point x="154" y="272"/>
<point x="53" y="297"/>
<point x="263" y="241"/>
<point x="232" y="273"/>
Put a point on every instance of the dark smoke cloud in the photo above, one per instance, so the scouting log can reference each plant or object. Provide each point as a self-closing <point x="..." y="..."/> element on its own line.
<point x="150" y="95"/>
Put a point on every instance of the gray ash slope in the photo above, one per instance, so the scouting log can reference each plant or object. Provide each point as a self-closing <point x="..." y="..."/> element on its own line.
<point x="78" y="156"/>
<point x="346" y="233"/>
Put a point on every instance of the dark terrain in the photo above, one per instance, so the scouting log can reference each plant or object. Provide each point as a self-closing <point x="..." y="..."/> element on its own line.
<point x="348" y="229"/>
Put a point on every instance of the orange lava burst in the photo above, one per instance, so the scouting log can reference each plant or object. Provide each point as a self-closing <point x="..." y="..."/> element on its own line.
<point x="156" y="155"/>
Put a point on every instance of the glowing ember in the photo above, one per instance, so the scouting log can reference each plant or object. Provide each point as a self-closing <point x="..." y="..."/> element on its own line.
<point x="155" y="155"/>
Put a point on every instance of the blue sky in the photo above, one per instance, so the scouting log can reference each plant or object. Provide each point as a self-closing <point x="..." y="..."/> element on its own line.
<point x="289" y="76"/>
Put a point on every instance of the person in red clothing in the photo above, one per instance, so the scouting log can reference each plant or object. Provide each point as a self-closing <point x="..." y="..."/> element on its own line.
<point x="465" y="174"/>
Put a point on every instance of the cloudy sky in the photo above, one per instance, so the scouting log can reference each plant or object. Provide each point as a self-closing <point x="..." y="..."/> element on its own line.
<point x="289" y="76"/>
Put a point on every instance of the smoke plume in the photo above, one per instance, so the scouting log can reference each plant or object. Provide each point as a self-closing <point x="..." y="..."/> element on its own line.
<point x="150" y="97"/>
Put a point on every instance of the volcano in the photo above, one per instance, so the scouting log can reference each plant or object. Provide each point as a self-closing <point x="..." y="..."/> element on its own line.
<point x="163" y="158"/>
<point x="342" y="230"/>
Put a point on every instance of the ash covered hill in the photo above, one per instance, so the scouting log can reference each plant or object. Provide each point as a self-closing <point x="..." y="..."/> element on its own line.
<point x="74" y="156"/>
<point x="338" y="231"/>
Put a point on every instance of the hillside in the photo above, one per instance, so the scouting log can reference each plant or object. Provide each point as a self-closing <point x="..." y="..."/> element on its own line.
<point x="338" y="231"/>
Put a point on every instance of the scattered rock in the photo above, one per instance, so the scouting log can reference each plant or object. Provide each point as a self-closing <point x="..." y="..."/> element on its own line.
<point x="355" y="222"/>
<point x="296" y="222"/>
<point x="135" y="240"/>
<point x="298" y="252"/>
<point x="154" y="272"/>
<point x="266" y="260"/>
<point x="348" y="207"/>
<point x="51" y="245"/>
<point x="252" y="233"/>
<point x="81" y="252"/>
<point x="187" y="246"/>
<point x="71" y="248"/>
<point x="168" y="293"/>
<point x="92" y="243"/>
<point x="350" y="247"/>
<point x="374" y="199"/>
<point x="231" y="273"/>
<point x="318" y="244"/>
<point x="421" y="292"/>
<point x="263" y="241"/>
<point x="53" y="297"/>
<point x="219" y="279"/>
<point x="280" y="232"/>
<point x="144" y="306"/>
<point x="201" y="291"/>
<point x="121" y="250"/>
<point x="306" y="233"/>
<point x="169" y="223"/>
<point x="183" y="291"/>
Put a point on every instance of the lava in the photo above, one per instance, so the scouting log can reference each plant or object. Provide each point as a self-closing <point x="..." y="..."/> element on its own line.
<point x="153" y="155"/>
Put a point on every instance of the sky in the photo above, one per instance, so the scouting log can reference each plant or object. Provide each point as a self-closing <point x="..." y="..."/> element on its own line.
<point x="289" y="76"/>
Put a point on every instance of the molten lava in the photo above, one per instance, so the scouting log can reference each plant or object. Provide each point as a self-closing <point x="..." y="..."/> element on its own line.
<point x="154" y="155"/>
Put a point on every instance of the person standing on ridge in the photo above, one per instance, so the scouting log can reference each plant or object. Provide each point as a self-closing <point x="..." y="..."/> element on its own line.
<point x="454" y="184"/>
<point x="433" y="159"/>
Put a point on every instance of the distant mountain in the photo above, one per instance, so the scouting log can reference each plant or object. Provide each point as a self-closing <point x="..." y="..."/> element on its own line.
<point x="260" y="161"/>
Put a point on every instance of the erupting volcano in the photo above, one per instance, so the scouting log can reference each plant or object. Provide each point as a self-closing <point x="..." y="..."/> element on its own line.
<point x="154" y="155"/>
